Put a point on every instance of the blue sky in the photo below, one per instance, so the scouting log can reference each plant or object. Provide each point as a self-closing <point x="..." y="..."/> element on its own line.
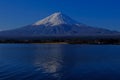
<point x="98" y="13"/>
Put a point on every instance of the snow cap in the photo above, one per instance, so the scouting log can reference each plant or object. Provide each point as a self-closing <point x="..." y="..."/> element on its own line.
<point x="57" y="18"/>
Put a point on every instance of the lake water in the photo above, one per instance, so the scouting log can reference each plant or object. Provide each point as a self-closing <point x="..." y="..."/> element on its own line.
<point x="59" y="62"/>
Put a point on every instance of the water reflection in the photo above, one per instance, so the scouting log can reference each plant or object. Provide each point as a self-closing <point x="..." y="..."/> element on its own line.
<point x="59" y="62"/>
<point x="50" y="60"/>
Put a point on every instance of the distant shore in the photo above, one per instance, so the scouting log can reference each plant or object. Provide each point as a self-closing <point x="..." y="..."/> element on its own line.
<point x="72" y="41"/>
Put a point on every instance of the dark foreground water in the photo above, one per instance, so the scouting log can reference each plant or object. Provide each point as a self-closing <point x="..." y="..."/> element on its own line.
<point x="59" y="62"/>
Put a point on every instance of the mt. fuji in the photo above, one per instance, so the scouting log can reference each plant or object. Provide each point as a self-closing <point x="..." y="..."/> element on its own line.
<point x="57" y="24"/>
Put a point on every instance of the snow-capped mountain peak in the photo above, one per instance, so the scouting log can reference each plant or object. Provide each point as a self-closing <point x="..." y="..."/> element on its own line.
<point x="59" y="25"/>
<point x="56" y="19"/>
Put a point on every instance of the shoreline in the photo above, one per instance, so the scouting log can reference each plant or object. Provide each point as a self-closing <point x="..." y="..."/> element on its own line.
<point x="63" y="41"/>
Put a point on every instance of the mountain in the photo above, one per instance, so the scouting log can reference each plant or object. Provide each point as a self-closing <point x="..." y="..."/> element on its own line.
<point x="57" y="24"/>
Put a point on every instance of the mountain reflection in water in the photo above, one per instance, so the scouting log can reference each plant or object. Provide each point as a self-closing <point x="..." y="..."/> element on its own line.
<point x="59" y="62"/>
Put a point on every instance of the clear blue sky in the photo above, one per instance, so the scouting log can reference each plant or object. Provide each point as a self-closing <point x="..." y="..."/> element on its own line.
<point x="100" y="13"/>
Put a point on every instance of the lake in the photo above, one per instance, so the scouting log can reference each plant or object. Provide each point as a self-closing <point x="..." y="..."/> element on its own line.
<point x="59" y="62"/>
